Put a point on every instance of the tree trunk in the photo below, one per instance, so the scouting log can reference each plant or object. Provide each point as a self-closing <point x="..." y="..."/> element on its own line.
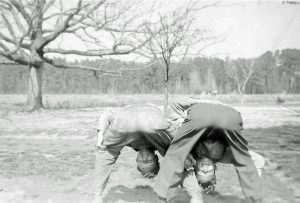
<point x="166" y="98"/>
<point x="98" y="83"/>
<point x="241" y="91"/>
<point x="297" y="84"/>
<point x="35" y="79"/>
<point x="65" y="82"/>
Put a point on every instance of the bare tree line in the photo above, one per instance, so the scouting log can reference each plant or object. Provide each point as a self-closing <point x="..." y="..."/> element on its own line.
<point x="33" y="31"/>
<point x="270" y="73"/>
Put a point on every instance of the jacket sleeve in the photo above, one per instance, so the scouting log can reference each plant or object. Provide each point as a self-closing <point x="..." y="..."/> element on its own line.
<point x="178" y="109"/>
<point x="104" y="121"/>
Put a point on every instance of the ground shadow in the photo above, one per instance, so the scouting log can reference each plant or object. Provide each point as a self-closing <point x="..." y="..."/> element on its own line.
<point x="136" y="194"/>
<point x="217" y="197"/>
<point x="146" y="194"/>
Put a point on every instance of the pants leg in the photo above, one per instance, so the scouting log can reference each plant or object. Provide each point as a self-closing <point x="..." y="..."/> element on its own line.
<point x="258" y="160"/>
<point x="250" y="182"/>
<point x="190" y="185"/>
<point x="104" y="162"/>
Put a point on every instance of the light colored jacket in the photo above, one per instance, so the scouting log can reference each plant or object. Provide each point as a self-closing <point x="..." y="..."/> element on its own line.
<point x="122" y="126"/>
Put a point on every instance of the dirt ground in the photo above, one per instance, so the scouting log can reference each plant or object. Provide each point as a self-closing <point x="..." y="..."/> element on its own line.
<point x="48" y="156"/>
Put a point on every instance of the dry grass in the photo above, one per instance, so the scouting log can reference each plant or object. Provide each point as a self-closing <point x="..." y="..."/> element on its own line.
<point x="48" y="156"/>
<point x="16" y="102"/>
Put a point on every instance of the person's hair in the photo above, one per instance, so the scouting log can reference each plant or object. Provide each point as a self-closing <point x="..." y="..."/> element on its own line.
<point x="154" y="171"/>
<point x="147" y="170"/>
<point x="213" y="146"/>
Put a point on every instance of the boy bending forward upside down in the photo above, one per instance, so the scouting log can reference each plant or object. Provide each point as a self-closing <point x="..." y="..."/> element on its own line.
<point x="199" y="134"/>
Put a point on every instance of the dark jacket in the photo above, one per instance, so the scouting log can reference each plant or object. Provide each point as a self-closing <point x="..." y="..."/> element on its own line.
<point x="200" y="117"/>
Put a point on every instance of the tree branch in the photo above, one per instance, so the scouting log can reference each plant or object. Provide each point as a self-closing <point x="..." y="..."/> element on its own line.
<point x="21" y="9"/>
<point x="9" y="27"/>
<point x="17" y="20"/>
<point x="63" y="27"/>
<point x="13" y="57"/>
<point x="73" y="66"/>
<point x="11" y="41"/>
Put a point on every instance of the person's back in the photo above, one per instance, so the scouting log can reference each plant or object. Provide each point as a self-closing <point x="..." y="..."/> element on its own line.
<point x="141" y="127"/>
<point x="138" y="118"/>
<point x="212" y="114"/>
<point x="127" y="124"/>
<point x="194" y="131"/>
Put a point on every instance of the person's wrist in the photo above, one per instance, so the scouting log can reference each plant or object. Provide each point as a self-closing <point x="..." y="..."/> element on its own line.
<point x="101" y="148"/>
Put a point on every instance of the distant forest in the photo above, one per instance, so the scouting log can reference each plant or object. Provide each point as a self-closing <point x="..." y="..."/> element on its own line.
<point x="272" y="72"/>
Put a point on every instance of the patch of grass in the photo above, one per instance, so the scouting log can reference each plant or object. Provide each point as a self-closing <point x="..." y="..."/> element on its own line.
<point x="278" y="144"/>
<point x="16" y="102"/>
<point x="58" y="146"/>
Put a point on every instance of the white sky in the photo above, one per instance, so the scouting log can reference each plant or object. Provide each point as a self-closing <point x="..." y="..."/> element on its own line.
<point x="250" y="28"/>
<point x="247" y="28"/>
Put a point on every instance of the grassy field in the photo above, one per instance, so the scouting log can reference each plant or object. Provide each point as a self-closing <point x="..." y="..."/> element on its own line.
<point x="16" y="102"/>
<point x="48" y="155"/>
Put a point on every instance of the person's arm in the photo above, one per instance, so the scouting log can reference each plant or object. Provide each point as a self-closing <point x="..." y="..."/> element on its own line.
<point x="178" y="109"/>
<point x="189" y="162"/>
<point x="104" y="122"/>
<point x="177" y="113"/>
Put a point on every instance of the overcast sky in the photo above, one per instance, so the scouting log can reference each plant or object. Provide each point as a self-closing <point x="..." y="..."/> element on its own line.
<point x="246" y="28"/>
<point x="252" y="27"/>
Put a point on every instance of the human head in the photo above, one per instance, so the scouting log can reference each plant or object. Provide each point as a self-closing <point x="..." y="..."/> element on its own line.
<point x="205" y="170"/>
<point x="213" y="149"/>
<point x="147" y="162"/>
<point x="205" y="173"/>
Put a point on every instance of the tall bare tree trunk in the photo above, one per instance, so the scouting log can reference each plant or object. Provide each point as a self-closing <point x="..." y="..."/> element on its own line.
<point x="241" y="91"/>
<point x="98" y="85"/>
<point x="35" y="81"/>
<point x="166" y="98"/>
<point x="297" y="84"/>
<point x="64" y="82"/>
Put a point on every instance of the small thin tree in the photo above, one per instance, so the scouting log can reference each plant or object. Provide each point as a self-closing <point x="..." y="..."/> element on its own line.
<point x="170" y="40"/>
<point x="240" y="71"/>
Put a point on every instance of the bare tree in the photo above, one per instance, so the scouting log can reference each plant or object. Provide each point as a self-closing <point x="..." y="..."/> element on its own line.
<point x="240" y="71"/>
<point x="170" y="40"/>
<point x="32" y="30"/>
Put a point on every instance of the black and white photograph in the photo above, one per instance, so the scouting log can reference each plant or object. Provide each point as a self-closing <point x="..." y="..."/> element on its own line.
<point x="151" y="101"/>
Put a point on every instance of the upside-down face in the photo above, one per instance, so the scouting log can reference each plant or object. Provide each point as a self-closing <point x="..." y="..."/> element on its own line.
<point x="147" y="162"/>
<point x="205" y="170"/>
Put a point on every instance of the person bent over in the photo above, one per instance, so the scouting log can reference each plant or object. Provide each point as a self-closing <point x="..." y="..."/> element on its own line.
<point x="141" y="127"/>
<point x="210" y="133"/>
